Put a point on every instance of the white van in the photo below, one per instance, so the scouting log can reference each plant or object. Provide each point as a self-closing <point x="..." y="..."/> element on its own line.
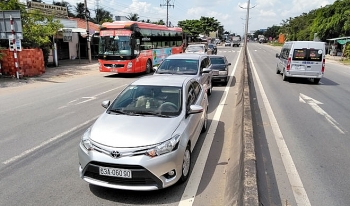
<point x="302" y="59"/>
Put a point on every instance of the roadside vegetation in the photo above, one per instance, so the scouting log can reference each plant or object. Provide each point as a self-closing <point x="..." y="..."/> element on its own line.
<point x="324" y="23"/>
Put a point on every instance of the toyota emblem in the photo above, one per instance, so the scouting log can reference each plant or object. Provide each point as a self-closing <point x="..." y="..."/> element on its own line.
<point x="115" y="154"/>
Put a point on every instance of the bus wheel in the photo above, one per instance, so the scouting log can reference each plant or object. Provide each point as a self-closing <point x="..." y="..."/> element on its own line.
<point x="148" y="66"/>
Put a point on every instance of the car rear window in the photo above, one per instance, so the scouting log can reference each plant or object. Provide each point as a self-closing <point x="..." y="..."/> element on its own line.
<point x="307" y="54"/>
<point x="215" y="60"/>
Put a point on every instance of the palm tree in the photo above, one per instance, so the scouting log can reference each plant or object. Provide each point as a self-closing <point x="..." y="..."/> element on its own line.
<point x="80" y="10"/>
<point x="133" y="17"/>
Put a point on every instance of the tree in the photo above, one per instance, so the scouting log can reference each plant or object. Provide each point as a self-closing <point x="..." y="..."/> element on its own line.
<point x="191" y="27"/>
<point x="80" y="10"/>
<point x="102" y="16"/>
<point x="160" y="22"/>
<point x="221" y="31"/>
<point x="133" y="17"/>
<point x="65" y="4"/>
<point x="209" y="24"/>
<point x="273" y="31"/>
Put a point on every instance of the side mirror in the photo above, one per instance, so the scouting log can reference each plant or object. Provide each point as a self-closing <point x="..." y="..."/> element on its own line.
<point x="155" y="68"/>
<point x="277" y="56"/>
<point x="194" y="109"/>
<point x="229" y="64"/>
<point x="206" y="70"/>
<point x="105" y="104"/>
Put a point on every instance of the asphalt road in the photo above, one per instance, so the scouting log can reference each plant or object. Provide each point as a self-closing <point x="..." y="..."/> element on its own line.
<point x="302" y="133"/>
<point x="41" y="125"/>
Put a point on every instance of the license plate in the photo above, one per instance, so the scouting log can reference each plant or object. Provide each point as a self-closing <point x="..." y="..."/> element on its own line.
<point x="299" y="67"/>
<point x="114" y="70"/>
<point x="115" y="172"/>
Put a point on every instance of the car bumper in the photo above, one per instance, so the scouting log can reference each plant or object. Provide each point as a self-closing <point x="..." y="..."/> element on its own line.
<point x="219" y="78"/>
<point x="310" y="75"/>
<point x="147" y="173"/>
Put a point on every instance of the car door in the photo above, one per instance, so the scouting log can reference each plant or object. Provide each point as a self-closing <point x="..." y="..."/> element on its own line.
<point x="204" y="77"/>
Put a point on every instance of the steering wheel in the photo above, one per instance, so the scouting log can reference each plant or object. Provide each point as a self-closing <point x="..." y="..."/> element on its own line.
<point x="168" y="107"/>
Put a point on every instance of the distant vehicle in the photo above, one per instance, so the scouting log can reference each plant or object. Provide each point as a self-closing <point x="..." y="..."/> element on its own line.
<point x="197" y="48"/>
<point x="220" y="68"/>
<point x="227" y="43"/>
<point x="121" y="42"/>
<point x="236" y="41"/>
<point x="170" y="112"/>
<point x="195" y="65"/>
<point x="212" y="49"/>
<point x="303" y="59"/>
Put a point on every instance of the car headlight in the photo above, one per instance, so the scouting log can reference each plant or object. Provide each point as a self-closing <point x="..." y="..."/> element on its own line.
<point x="222" y="72"/>
<point x="85" y="139"/>
<point x="164" y="147"/>
<point x="129" y="65"/>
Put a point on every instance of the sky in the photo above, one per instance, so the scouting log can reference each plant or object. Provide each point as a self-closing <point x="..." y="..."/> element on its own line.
<point x="232" y="14"/>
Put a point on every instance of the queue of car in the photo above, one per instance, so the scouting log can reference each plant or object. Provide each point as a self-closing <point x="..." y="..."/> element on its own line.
<point x="113" y="154"/>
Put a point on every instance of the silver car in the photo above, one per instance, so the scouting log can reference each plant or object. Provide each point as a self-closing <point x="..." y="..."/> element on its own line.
<point x="195" y="65"/>
<point x="144" y="139"/>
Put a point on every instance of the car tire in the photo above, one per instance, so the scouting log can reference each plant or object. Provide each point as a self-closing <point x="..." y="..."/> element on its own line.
<point x="225" y="83"/>
<point x="205" y="124"/>
<point x="316" y="80"/>
<point x="277" y="70"/>
<point x="186" y="165"/>
<point x="148" y="66"/>
<point x="284" y="77"/>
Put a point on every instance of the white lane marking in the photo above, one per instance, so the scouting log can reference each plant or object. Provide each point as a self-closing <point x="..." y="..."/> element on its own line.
<point x="299" y="191"/>
<point x="192" y="185"/>
<point x="314" y="105"/>
<point x="87" y="99"/>
<point x="25" y="153"/>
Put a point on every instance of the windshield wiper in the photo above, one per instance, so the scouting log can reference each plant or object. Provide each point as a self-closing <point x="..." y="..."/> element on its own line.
<point x="117" y="111"/>
<point x="151" y="113"/>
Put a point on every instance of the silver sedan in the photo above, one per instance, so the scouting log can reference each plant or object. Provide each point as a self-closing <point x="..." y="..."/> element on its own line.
<point x="144" y="139"/>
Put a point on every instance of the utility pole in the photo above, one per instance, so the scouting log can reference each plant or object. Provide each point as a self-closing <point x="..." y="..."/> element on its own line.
<point x="87" y="16"/>
<point x="246" y="24"/>
<point x="167" y="10"/>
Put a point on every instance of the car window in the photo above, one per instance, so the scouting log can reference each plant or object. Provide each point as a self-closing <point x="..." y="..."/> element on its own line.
<point x="137" y="99"/>
<point x="197" y="88"/>
<point x="191" y="97"/>
<point x="307" y="54"/>
<point x="217" y="60"/>
<point x="178" y="66"/>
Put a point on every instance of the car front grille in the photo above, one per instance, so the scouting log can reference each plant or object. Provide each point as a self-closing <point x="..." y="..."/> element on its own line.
<point x="140" y="176"/>
<point x="114" y="65"/>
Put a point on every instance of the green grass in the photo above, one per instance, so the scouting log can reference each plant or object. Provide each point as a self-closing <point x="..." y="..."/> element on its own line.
<point x="345" y="61"/>
<point x="275" y="44"/>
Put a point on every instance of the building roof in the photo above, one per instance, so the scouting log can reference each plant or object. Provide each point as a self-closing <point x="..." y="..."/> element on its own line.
<point x="81" y="23"/>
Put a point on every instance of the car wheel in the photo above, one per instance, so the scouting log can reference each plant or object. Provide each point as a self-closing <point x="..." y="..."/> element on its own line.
<point x="186" y="165"/>
<point x="225" y="83"/>
<point x="148" y="66"/>
<point x="205" y="124"/>
<point x="316" y="80"/>
<point x="277" y="70"/>
<point x="284" y="77"/>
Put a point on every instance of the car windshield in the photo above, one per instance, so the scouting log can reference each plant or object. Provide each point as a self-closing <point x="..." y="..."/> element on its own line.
<point x="211" y="46"/>
<point x="195" y="48"/>
<point x="148" y="100"/>
<point x="178" y="66"/>
<point x="115" y="45"/>
<point x="216" y="60"/>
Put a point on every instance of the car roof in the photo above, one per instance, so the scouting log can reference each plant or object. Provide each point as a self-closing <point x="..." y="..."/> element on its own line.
<point x="164" y="80"/>
<point x="216" y="56"/>
<point x="186" y="56"/>
<point x="196" y="45"/>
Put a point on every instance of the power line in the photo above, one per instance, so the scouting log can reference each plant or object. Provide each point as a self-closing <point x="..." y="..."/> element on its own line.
<point x="167" y="10"/>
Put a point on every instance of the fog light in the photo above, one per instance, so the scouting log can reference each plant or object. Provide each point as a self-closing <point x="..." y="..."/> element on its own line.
<point x="170" y="174"/>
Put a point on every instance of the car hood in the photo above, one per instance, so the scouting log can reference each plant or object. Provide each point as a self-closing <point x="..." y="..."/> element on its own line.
<point x="132" y="131"/>
<point x="218" y="66"/>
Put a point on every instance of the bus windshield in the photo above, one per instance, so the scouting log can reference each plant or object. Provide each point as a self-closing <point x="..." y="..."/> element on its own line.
<point x="114" y="45"/>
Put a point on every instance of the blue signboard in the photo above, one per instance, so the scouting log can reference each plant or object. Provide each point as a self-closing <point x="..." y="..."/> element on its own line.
<point x="160" y="54"/>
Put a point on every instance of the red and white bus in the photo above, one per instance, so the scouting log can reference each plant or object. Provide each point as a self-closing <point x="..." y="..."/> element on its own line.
<point x="135" y="47"/>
